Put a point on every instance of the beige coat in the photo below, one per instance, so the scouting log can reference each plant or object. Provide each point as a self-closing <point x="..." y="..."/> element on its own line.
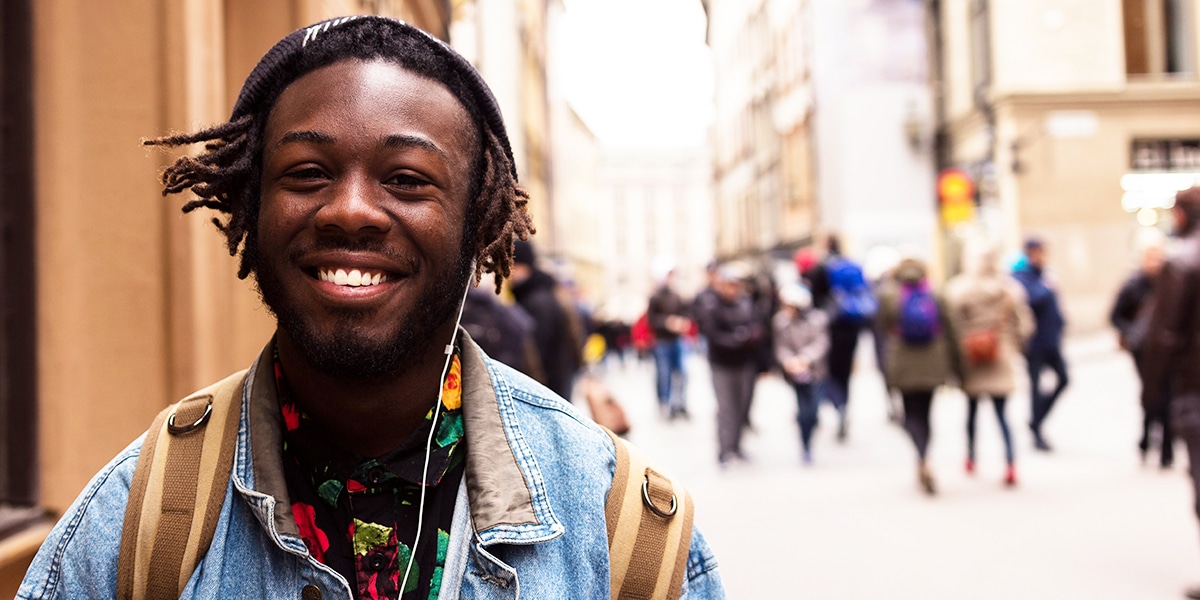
<point x="985" y="298"/>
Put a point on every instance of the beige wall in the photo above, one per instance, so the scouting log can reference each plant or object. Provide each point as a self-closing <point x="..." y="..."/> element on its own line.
<point x="1056" y="45"/>
<point x="1069" y="188"/>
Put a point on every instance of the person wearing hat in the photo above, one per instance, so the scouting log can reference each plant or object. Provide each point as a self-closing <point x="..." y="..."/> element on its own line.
<point x="1171" y="349"/>
<point x="730" y="324"/>
<point x="365" y="181"/>
<point x="801" y="348"/>
<point x="1044" y="349"/>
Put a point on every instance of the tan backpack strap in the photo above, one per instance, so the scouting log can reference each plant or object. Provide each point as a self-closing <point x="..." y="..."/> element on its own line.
<point x="649" y="518"/>
<point x="177" y="491"/>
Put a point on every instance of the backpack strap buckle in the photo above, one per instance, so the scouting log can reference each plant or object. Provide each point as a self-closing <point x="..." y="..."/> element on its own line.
<point x="199" y="422"/>
<point x="649" y="502"/>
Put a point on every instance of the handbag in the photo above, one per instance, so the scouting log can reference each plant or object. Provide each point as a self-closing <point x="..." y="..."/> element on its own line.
<point x="981" y="346"/>
<point x="606" y="411"/>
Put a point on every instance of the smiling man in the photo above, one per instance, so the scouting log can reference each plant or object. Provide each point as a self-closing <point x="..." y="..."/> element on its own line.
<point x="366" y="181"/>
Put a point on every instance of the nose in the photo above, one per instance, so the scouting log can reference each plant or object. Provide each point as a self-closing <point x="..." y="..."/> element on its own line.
<point x="354" y="208"/>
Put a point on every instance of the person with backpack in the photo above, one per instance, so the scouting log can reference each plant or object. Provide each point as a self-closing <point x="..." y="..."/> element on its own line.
<point x="992" y="321"/>
<point x="841" y="290"/>
<point x="372" y="450"/>
<point x="921" y="353"/>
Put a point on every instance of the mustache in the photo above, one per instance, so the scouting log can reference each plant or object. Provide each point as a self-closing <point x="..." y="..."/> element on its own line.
<point x="355" y="244"/>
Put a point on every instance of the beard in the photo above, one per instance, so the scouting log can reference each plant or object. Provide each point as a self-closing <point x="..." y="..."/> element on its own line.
<point x="346" y="352"/>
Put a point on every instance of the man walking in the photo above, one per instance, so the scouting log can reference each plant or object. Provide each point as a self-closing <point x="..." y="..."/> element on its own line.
<point x="729" y="323"/>
<point x="1130" y="317"/>
<point x="669" y="319"/>
<point x="1171" y="351"/>
<point x="366" y="182"/>
<point x="557" y="332"/>
<point x="1044" y="349"/>
<point x="839" y="287"/>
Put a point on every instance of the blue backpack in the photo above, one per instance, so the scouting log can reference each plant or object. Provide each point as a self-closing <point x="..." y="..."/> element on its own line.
<point x="853" y="300"/>
<point x="920" y="321"/>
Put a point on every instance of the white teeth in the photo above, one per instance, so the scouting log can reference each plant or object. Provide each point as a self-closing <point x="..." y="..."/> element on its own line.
<point x="353" y="278"/>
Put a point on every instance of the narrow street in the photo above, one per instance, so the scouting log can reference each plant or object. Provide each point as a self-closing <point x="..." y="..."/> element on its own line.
<point x="1086" y="521"/>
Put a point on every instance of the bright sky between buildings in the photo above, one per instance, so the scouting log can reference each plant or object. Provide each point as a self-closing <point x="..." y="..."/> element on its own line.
<point x="638" y="71"/>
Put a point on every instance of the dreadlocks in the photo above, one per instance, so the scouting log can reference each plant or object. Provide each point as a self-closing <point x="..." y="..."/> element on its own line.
<point x="226" y="176"/>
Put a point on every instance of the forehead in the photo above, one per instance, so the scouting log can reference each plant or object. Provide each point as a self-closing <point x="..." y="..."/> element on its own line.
<point x="375" y="95"/>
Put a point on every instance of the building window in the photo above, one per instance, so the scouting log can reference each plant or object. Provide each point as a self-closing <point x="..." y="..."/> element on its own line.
<point x="1160" y="37"/>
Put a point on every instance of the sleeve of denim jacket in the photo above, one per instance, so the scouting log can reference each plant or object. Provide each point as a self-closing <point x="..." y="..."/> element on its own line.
<point x="703" y="580"/>
<point x="79" y="558"/>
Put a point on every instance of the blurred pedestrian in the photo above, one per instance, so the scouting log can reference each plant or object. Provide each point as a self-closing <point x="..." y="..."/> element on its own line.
<point x="1172" y="344"/>
<point x="992" y="321"/>
<point x="839" y="287"/>
<point x="557" y="331"/>
<point x="878" y="267"/>
<point x="728" y="321"/>
<point x="504" y="332"/>
<point x="921" y="355"/>
<point x="1044" y="349"/>
<point x="1130" y="317"/>
<point x="801" y="345"/>
<point x="669" y="318"/>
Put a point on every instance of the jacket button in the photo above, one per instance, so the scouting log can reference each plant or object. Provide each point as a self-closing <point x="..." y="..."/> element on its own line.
<point x="310" y="592"/>
<point x="378" y="561"/>
<point x="374" y="475"/>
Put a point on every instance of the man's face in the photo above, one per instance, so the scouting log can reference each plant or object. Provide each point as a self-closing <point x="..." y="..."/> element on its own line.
<point x="365" y="182"/>
<point x="1152" y="261"/>
<point x="729" y="289"/>
<point x="1037" y="256"/>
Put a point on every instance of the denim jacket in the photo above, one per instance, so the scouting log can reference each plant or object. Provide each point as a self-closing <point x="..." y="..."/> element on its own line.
<point x="529" y="521"/>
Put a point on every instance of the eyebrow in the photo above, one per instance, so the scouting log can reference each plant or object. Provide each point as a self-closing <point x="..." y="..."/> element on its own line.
<point x="312" y="137"/>
<point x="412" y="141"/>
<point x="391" y="141"/>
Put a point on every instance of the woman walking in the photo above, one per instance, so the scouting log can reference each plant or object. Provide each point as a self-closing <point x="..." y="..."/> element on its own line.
<point x="921" y="354"/>
<point x="802" y="349"/>
<point x="992" y="321"/>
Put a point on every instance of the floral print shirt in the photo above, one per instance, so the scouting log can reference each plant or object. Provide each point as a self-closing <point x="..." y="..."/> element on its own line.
<point x="358" y="515"/>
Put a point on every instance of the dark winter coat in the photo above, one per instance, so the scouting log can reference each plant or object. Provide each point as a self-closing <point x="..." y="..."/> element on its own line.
<point x="503" y="332"/>
<point x="732" y="329"/>
<point x="558" y="346"/>
<point x="1132" y="298"/>
<point x="1047" y="316"/>
<point x="1172" y="345"/>
<point x="665" y="303"/>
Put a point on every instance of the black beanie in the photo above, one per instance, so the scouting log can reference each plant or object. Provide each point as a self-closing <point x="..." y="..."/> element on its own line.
<point x="523" y="253"/>
<point x="281" y="65"/>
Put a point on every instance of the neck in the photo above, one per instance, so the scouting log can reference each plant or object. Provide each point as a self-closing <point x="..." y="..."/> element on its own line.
<point x="367" y="416"/>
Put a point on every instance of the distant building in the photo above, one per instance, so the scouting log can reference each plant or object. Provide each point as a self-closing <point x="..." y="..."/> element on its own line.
<point x="823" y="124"/>
<point x="1079" y="121"/>
<point x="657" y="204"/>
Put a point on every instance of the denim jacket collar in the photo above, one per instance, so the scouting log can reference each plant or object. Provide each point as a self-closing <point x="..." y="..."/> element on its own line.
<point x="506" y="491"/>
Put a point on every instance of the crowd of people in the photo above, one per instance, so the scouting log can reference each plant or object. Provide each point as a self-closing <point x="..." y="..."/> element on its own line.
<point x="974" y="332"/>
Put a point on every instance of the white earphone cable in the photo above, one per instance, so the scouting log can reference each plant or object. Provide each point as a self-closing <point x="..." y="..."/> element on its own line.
<point x="437" y="410"/>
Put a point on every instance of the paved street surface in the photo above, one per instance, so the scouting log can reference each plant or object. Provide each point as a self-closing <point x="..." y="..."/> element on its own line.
<point x="1087" y="521"/>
